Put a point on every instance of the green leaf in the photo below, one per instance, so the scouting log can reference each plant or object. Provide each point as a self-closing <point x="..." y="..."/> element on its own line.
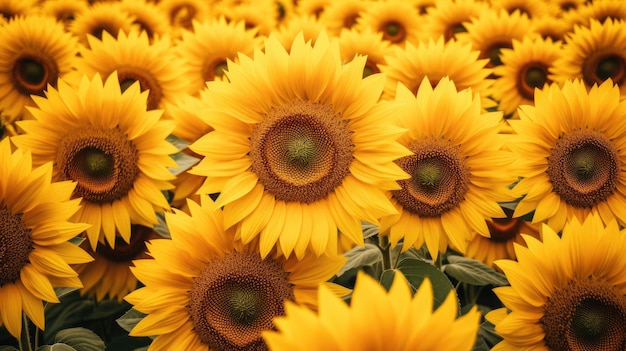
<point x="473" y="272"/>
<point x="8" y="348"/>
<point x="487" y="331"/>
<point x="63" y="291"/>
<point x="130" y="319"/>
<point x="184" y="162"/>
<point x="179" y="143"/>
<point x="56" y="347"/>
<point x="369" y="230"/>
<point x="480" y="345"/>
<point x="361" y="256"/>
<point x="81" y="339"/>
<point x="386" y="279"/>
<point x="161" y="228"/>
<point x="415" y="271"/>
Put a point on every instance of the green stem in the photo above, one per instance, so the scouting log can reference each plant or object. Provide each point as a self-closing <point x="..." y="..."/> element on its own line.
<point x="24" y="340"/>
<point x="383" y="245"/>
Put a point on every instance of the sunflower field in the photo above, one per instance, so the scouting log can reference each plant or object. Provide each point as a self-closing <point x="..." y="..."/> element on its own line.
<point x="312" y="175"/>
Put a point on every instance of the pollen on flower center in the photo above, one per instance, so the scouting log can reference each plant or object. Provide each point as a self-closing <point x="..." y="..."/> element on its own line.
<point x="235" y="298"/>
<point x="102" y="161"/>
<point x="15" y="246"/>
<point x="32" y="74"/>
<point x="586" y="315"/>
<point x="439" y="179"/>
<point x="301" y="151"/>
<point x="583" y="168"/>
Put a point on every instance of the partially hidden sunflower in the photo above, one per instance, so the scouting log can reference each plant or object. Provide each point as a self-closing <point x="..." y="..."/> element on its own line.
<point x="35" y="52"/>
<point x="301" y="147"/>
<point x="398" y="21"/>
<point x="376" y="320"/>
<point x="65" y="11"/>
<point x="108" y="143"/>
<point x="494" y="30"/>
<point x="571" y="147"/>
<point x="436" y="60"/>
<point x="448" y="17"/>
<point x="99" y="18"/>
<point x="504" y="233"/>
<point x="566" y="293"/>
<point x="147" y="16"/>
<point x="34" y="238"/>
<point x="109" y="275"/>
<point x="205" y="50"/>
<point x="135" y="59"/>
<point x="339" y="15"/>
<point x="594" y="54"/>
<point x="459" y="171"/>
<point x="203" y="288"/>
<point x="525" y="67"/>
<point x="366" y="43"/>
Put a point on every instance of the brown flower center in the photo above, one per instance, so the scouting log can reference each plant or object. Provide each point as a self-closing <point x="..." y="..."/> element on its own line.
<point x="301" y="151"/>
<point x="492" y="52"/>
<point x="129" y="75"/>
<point x="350" y="20"/>
<point x="370" y="68"/>
<point x="15" y="246"/>
<point x="503" y="230"/>
<point x="235" y="298"/>
<point x="393" y="31"/>
<point x="532" y="75"/>
<point x="182" y="16"/>
<point x="602" y="66"/>
<point x="214" y="68"/>
<point x="583" y="168"/>
<point x="33" y="72"/>
<point x="439" y="178"/>
<point x="586" y="315"/>
<point x="124" y="252"/>
<point x="453" y="29"/>
<point x="102" y="161"/>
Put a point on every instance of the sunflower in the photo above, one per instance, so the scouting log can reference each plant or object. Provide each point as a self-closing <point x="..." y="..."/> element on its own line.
<point x="555" y="28"/>
<point x="376" y="320"/>
<point x="309" y="26"/>
<point x="99" y="18"/>
<point x="64" y="11"/>
<point x="366" y="43"/>
<point x="109" y="275"/>
<point x="182" y="13"/>
<point x="530" y="8"/>
<point x="204" y="288"/>
<point x="436" y="60"/>
<point x="340" y="15"/>
<point x="108" y="143"/>
<point x="157" y="69"/>
<point x="16" y="8"/>
<point x="304" y="151"/>
<point x="602" y="10"/>
<point x="447" y="17"/>
<point x="594" y="54"/>
<point x="35" y="51"/>
<point x="256" y="15"/>
<point x="504" y="233"/>
<point x="148" y="17"/>
<point x="494" y="30"/>
<point x="571" y="143"/>
<point x="34" y="228"/>
<point x="524" y="68"/>
<point x="398" y="20"/>
<point x="458" y="170"/>
<point x="566" y="293"/>
<point x="205" y="50"/>
<point x="313" y="8"/>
